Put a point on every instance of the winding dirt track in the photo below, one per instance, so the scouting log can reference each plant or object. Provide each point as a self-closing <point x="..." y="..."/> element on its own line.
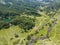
<point x="31" y="42"/>
<point x="50" y="28"/>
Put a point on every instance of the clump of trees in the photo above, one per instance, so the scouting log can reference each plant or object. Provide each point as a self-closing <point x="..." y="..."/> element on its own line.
<point x="24" y="22"/>
<point x="13" y="18"/>
<point x="5" y="18"/>
<point x="27" y="23"/>
<point x="7" y="15"/>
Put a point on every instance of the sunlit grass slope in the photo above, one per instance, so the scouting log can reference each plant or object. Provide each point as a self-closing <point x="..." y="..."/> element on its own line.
<point x="16" y="36"/>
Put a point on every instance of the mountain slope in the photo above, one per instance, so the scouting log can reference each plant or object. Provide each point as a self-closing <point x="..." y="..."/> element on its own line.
<point x="29" y="22"/>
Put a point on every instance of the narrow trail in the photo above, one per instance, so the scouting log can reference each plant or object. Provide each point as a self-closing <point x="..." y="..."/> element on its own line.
<point x="50" y="28"/>
<point x="31" y="42"/>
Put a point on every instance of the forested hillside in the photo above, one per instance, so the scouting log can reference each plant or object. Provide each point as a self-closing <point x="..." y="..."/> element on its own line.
<point x="29" y="22"/>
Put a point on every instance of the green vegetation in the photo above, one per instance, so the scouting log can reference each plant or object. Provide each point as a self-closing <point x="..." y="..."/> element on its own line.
<point x="24" y="22"/>
<point x="30" y="24"/>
